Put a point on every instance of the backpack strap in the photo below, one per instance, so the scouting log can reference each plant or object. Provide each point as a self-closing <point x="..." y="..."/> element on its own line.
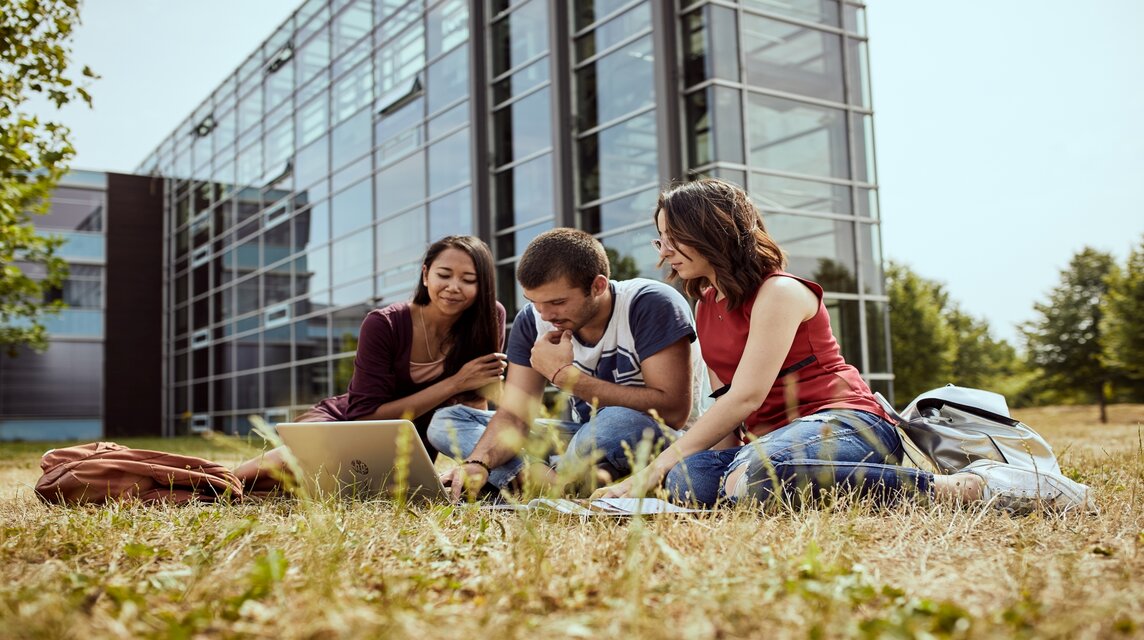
<point x="907" y="444"/>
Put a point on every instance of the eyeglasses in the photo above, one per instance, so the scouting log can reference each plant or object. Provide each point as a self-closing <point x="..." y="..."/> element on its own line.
<point x="662" y="245"/>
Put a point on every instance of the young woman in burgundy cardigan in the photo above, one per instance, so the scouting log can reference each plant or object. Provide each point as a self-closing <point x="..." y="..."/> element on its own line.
<point x="440" y="349"/>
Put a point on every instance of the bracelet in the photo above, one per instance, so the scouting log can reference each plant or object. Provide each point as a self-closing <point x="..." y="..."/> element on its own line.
<point x="478" y="462"/>
<point x="557" y="372"/>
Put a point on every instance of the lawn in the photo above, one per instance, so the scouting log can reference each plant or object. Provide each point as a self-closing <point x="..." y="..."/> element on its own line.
<point x="287" y="569"/>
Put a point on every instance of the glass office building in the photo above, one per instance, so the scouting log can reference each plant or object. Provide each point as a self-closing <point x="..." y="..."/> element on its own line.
<point x="302" y="192"/>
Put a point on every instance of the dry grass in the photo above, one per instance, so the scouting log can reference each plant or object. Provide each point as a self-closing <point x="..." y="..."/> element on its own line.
<point x="294" y="569"/>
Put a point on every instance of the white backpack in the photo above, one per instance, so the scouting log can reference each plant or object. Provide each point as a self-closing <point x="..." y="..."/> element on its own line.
<point x="953" y="426"/>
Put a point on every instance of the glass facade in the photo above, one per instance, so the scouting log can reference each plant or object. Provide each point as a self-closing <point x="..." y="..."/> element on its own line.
<point x="777" y="98"/>
<point x="57" y="394"/>
<point x="302" y="192"/>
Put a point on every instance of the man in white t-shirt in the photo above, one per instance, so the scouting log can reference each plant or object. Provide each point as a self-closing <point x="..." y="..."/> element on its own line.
<point x="626" y="346"/>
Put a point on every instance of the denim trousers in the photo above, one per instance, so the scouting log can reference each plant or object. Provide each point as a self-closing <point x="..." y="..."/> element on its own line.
<point x="834" y="448"/>
<point x="606" y="441"/>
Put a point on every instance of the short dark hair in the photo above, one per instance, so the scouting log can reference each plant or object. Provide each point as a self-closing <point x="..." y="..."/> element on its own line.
<point x="563" y="253"/>
<point x="477" y="331"/>
<point x="718" y="220"/>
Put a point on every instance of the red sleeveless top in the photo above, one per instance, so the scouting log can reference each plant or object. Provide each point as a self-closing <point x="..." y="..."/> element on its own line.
<point x="813" y="376"/>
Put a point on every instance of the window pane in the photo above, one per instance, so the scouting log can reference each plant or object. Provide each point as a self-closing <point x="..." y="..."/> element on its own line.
<point x="311" y="383"/>
<point x="401" y="185"/>
<point x="862" y="137"/>
<point x="401" y="239"/>
<point x="715" y="125"/>
<point x="524" y="192"/>
<point x="351" y="139"/>
<point x="352" y="208"/>
<point x="351" y="25"/>
<point x="819" y="249"/>
<point x="312" y="163"/>
<point x="589" y="11"/>
<point x="398" y="61"/>
<point x="352" y="257"/>
<point x="619" y="83"/>
<point x="520" y="36"/>
<point x="613" y="31"/>
<point x="847" y="330"/>
<point x="399" y="131"/>
<point x="523" y="128"/>
<point x="774" y="192"/>
<point x="313" y="56"/>
<point x="710" y="45"/>
<point x="824" y="11"/>
<point x="870" y="259"/>
<point x="521" y="81"/>
<point x="311" y="338"/>
<point x="513" y="243"/>
<point x="448" y="79"/>
<point x="859" y="73"/>
<point x="352" y="92"/>
<point x="448" y="26"/>
<point x="73" y="209"/>
<point x="876" y="313"/>
<point x="450" y="120"/>
<point x="797" y="137"/>
<point x="618" y="158"/>
<point x="312" y="226"/>
<point x="794" y="59"/>
<point x="451" y="214"/>
<point x="632" y="255"/>
<point x="620" y="213"/>
<point x="312" y="119"/>
<point x="449" y="162"/>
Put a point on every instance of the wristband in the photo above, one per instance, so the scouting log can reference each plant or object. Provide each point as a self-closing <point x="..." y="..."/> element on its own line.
<point x="557" y="372"/>
<point x="478" y="462"/>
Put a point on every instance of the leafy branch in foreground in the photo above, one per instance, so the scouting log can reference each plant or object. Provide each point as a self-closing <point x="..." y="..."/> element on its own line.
<point x="35" y="47"/>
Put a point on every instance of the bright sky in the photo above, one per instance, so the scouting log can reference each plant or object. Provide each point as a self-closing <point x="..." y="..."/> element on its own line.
<point x="1009" y="133"/>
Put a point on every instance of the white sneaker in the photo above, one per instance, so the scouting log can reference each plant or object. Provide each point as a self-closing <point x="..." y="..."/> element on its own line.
<point x="1022" y="490"/>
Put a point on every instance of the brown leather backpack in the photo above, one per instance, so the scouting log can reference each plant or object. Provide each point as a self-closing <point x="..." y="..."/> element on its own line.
<point x="104" y="471"/>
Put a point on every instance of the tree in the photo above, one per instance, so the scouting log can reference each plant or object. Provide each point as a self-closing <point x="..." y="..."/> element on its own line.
<point x="622" y="267"/>
<point x="1122" y="322"/>
<point x="934" y="342"/>
<point x="1065" y="341"/>
<point x="35" y="38"/>
<point x="922" y="343"/>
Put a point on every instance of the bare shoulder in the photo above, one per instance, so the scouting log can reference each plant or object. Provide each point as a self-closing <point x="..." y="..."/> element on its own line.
<point x="787" y="293"/>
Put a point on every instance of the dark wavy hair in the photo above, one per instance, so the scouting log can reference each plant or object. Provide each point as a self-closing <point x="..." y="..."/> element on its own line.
<point x="718" y="220"/>
<point x="474" y="334"/>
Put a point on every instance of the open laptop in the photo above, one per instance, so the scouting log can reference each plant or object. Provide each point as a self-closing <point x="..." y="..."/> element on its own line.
<point x="363" y="459"/>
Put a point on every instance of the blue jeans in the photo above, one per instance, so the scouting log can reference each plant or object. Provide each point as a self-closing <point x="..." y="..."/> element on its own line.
<point x="832" y="448"/>
<point x="605" y="441"/>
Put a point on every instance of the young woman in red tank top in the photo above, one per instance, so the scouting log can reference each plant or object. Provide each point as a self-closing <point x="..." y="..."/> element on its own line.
<point x="809" y="420"/>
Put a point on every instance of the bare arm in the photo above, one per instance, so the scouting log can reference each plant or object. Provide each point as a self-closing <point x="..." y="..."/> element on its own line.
<point x="782" y="304"/>
<point x="505" y="433"/>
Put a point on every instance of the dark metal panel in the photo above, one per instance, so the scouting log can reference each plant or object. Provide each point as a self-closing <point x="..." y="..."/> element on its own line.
<point x="563" y="126"/>
<point x="480" y="121"/>
<point x="668" y="89"/>
<point x="133" y="320"/>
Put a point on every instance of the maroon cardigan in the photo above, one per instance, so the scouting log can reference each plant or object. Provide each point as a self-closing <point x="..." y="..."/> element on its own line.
<point x="381" y="370"/>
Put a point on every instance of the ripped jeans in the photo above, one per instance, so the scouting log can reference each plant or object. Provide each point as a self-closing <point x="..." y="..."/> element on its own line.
<point x="844" y="448"/>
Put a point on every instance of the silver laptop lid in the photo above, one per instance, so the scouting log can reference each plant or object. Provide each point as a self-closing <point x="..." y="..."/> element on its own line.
<point x="364" y="458"/>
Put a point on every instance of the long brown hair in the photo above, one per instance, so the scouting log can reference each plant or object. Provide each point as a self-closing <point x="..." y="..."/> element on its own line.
<point x="475" y="333"/>
<point x="718" y="220"/>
